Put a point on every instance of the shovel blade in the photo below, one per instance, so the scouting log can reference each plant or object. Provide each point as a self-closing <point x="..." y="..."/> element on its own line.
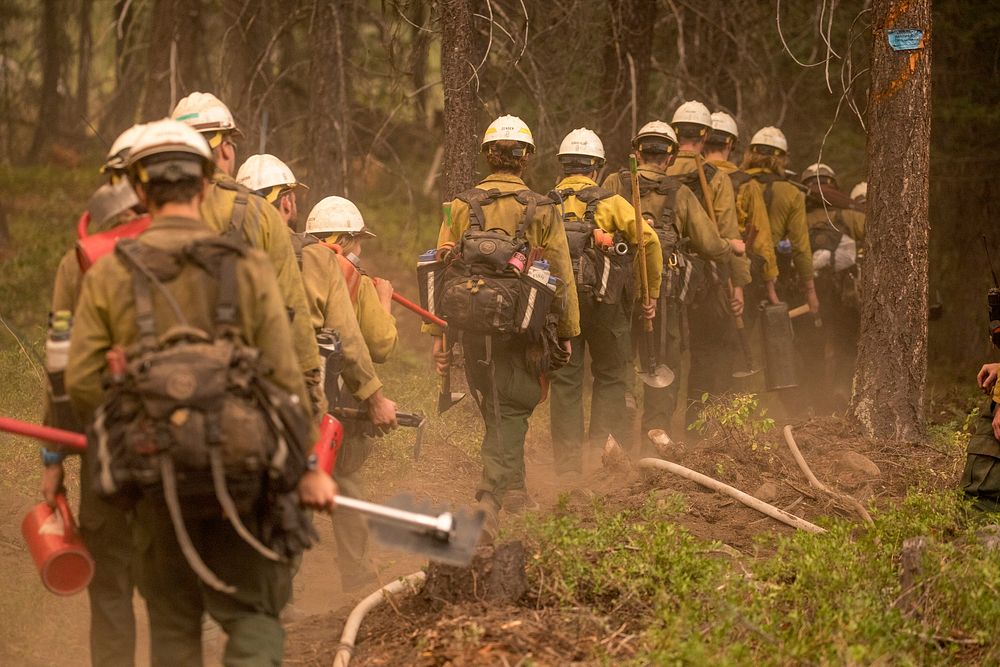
<point x="456" y="549"/>
<point x="660" y="378"/>
<point x="447" y="399"/>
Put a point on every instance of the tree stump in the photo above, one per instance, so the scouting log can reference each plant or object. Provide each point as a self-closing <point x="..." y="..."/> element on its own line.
<point x="496" y="575"/>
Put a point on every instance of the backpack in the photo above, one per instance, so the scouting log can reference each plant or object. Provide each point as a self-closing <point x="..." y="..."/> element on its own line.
<point x="692" y="180"/>
<point x="192" y="417"/>
<point x="602" y="272"/>
<point x="486" y="287"/>
<point x="685" y="274"/>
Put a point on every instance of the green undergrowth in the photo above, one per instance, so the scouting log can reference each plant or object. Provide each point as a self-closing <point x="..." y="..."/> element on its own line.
<point x="831" y="598"/>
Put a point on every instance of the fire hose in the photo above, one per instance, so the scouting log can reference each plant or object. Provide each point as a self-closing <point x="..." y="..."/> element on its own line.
<point x="345" y="650"/>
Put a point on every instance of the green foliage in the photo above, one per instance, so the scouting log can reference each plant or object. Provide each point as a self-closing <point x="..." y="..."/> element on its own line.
<point x="734" y="418"/>
<point x="817" y="599"/>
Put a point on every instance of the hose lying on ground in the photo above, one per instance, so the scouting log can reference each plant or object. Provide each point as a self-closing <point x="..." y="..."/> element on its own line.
<point x="346" y="649"/>
<point x="850" y="501"/>
<point x="745" y="498"/>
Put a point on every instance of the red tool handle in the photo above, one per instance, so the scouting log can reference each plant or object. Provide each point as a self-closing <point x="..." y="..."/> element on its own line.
<point x="427" y="315"/>
<point x="331" y="436"/>
<point x="47" y="433"/>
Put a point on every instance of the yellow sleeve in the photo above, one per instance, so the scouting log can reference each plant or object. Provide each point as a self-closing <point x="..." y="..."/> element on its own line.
<point x="617" y="214"/>
<point x="269" y="330"/>
<point x="751" y="199"/>
<point x="855" y="221"/>
<point x="66" y="288"/>
<point x="694" y="223"/>
<point x="90" y="340"/>
<point x="378" y="327"/>
<point x="724" y="201"/>
<point x="791" y="204"/>
<point x="330" y="307"/>
<point x="550" y="235"/>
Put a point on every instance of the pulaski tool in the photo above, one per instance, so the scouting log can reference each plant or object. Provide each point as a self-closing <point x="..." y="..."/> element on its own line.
<point x="651" y="372"/>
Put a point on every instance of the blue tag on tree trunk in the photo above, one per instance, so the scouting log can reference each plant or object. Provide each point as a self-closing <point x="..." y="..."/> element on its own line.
<point x="909" y="39"/>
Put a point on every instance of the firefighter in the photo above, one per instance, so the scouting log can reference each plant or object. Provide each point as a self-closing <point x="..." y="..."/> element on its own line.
<point x="714" y="343"/>
<point x="688" y="241"/>
<point x="170" y="165"/>
<point x="859" y="193"/>
<point x="602" y="235"/>
<point x="751" y="210"/>
<point x="503" y="364"/>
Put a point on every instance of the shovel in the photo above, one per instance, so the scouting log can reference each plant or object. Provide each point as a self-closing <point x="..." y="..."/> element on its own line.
<point x="404" y="523"/>
<point x="650" y="372"/>
<point x="447" y="398"/>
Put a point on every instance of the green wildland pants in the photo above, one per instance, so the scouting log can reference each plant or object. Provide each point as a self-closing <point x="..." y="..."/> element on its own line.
<point x="981" y="478"/>
<point x="106" y="530"/>
<point x="518" y="391"/>
<point x="604" y="330"/>
<point x="350" y="529"/>
<point x="176" y="598"/>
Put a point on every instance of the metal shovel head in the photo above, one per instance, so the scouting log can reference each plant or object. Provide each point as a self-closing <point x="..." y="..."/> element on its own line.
<point x="660" y="378"/>
<point x="457" y="548"/>
<point x="448" y="399"/>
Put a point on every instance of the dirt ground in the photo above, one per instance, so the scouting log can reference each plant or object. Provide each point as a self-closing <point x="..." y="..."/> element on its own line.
<point x="41" y="629"/>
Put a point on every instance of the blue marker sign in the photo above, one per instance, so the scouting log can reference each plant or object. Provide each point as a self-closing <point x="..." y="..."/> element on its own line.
<point x="906" y="40"/>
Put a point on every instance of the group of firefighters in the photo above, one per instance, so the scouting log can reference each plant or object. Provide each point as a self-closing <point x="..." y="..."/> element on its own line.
<point x="528" y="282"/>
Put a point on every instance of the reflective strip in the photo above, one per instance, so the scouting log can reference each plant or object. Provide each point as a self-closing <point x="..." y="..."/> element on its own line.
<point x="103" y="455"/>
<point x="604" y="277"/>
<point x="430" y="293"/>
<point x="530" y="309"/>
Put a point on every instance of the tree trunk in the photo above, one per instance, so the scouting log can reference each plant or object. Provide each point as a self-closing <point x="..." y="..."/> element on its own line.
<point x="329" y="101"/>
<point x="889" y="383"/>
<point x="84" y="50"/>
<point x="53" y="61"/>
<point x="625" y="81"/>
<point x="120" y="113"/>
<point x="174" y="59"/>
<point x="460" y="137"/>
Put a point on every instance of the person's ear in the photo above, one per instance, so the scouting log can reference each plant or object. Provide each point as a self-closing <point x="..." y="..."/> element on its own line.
<point x="140" y="192"/>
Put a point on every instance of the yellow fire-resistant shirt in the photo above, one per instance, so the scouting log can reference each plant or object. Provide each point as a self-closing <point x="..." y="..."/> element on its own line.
<point x="615" y="214"/>
<point x="853" y="222"/>
<point x="787" y="212"/>
<point x="378" y="326"/>
<point x="264" y="229"/>
<point x="690" y="218"/>
<point x="330" y="307"/>
<point x="544" y="231"/>
<point x="105" y="314"/>
<point x="751" y="212"/>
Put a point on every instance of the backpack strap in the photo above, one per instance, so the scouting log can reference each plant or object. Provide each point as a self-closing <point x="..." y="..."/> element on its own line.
<point x="136" y="257"/>
<point x="476" y="198"/>
<point x="237" y="216"/>
<point x="739" y="178"/>
<point x="591" y="196"/>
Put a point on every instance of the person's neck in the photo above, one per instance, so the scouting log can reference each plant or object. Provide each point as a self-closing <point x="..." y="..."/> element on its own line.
<point x="722" y="156"/>
<point x="188" y="209"/>
<point x="690" y="148"/>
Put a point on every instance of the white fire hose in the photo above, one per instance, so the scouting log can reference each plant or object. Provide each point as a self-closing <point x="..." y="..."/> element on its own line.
<point x="346" y="649"/>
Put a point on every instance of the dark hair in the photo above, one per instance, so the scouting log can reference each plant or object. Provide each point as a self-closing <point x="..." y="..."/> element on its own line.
<point x="159" y="193"/>
<point x="772" y="163"/>
<point x="500" y="156"/>
<point x="655" y="158"/>
<point x="720" y="141"/>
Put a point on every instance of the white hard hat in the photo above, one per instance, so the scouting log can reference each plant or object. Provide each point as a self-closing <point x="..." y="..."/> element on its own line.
<point x="111" y="199"/>
<point x="771" y="137"/>
<point x="582" y="141"/>
<point x="692" y="112"/>
<point x="817" y="170"/>
<point x="267" y="175"/>
<point x="659" y="138"/>
<point x="336" y="215"/>
<point x="859" y="192"/>
<point x="118" y="153"/>
<point x="206" y="113"/>
<point x="723" y="122"/>
<point x="508" y="128"/>
<point x="186" y="152"/>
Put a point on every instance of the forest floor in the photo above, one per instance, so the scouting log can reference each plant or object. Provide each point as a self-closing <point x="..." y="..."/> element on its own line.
<point x="622" y="566"/>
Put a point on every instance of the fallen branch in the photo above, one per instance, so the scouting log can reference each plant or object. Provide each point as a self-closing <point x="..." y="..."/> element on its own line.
<point x="848" y="500"/>
<point x="745" y="498"/>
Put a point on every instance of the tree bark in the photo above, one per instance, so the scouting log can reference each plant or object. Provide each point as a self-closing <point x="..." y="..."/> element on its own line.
<point x="84" y="51"/>
<point x="889" y="382"/>
<point x="625" y="80"/>
<point x="174" y="57"/>
<point x="460" y="137"/>
<point x="329" y="101"/>
<point x="121" y="111"/>
<point x="53" y="44"/>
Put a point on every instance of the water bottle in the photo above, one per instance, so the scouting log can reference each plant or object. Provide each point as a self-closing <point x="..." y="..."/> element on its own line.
<point x="785" y="247"/>
<point x="518" y="258"/>
<point x="427" y="257"/>
<point x="553" y="283"/>
<point x="57" y="343"/>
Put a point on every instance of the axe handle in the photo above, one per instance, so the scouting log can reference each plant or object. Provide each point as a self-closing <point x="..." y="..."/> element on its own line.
<point x="640" y="235"/>
<point x="426" y="314"/>
<point x="57" y="436"/>
<point x="409" y="419"/>
<point x="798" y="311"/>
